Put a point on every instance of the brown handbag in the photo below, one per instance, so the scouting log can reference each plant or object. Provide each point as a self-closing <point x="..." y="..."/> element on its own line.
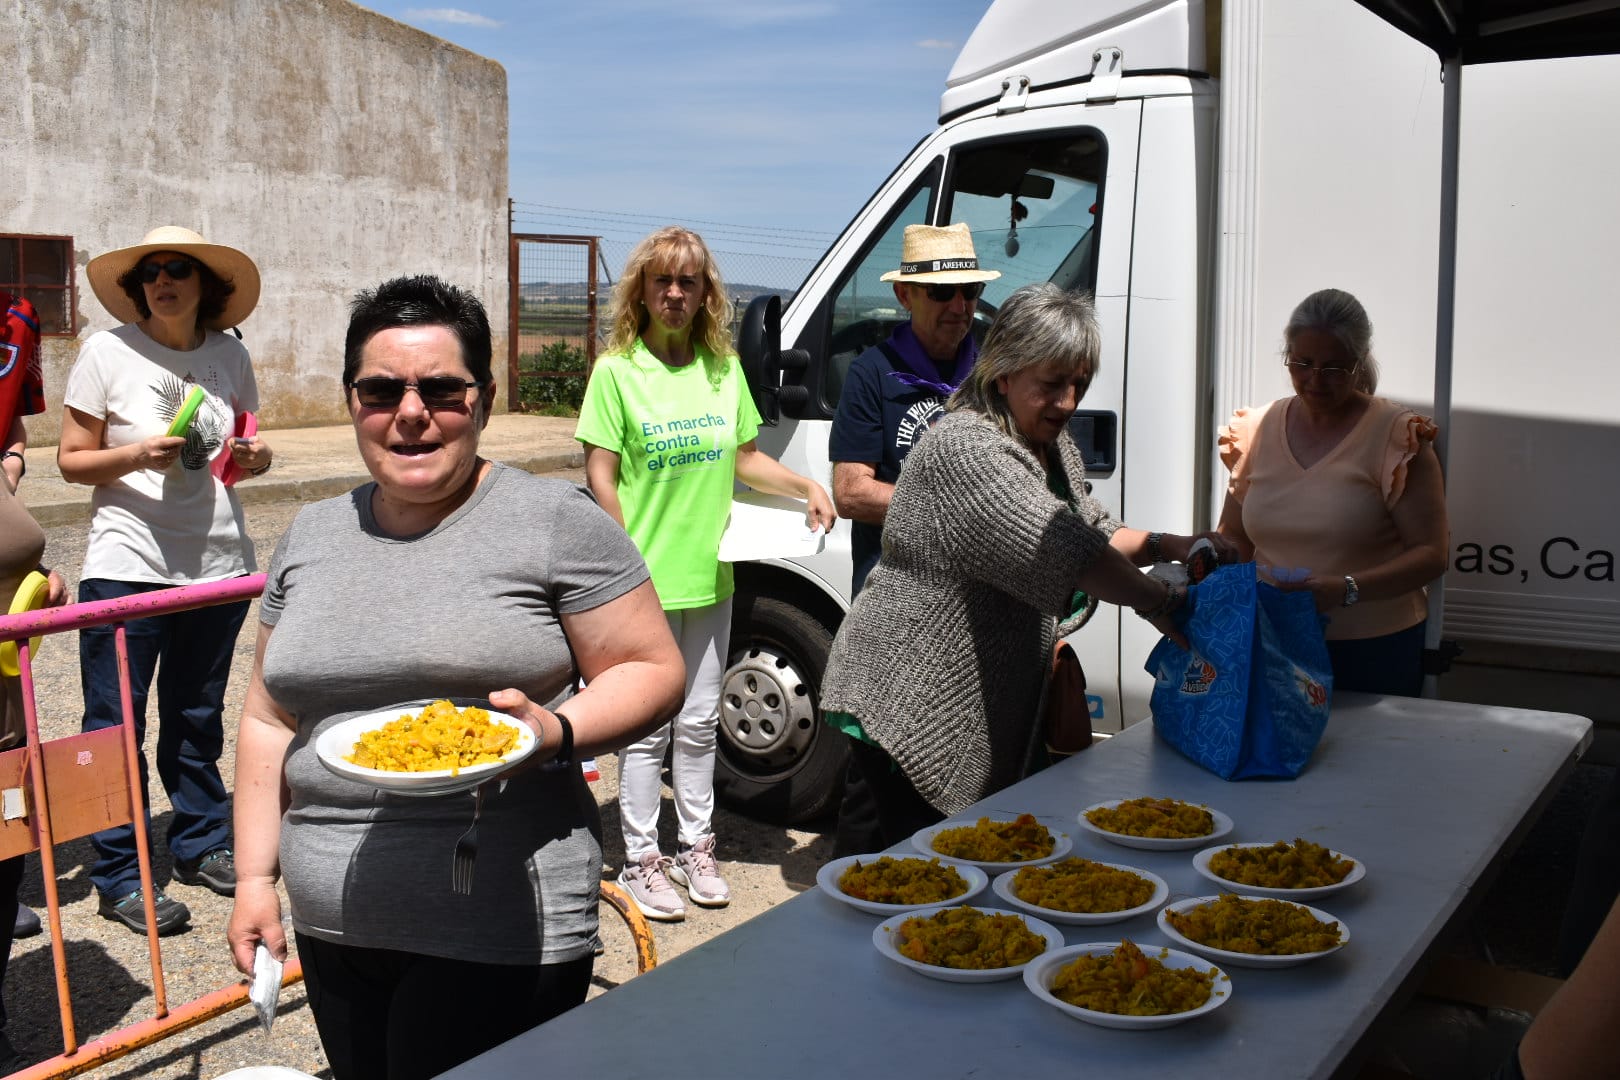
<point x="1065" y="717"/>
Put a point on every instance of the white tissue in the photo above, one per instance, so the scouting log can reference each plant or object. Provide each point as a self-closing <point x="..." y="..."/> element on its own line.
<point x="266" y="986"/>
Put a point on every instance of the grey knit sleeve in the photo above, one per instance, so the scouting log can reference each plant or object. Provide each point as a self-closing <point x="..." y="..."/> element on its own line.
<point x="971" y="501"/>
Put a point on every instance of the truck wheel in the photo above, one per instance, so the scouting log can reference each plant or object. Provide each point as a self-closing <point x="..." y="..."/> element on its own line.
<point x="777" y="760"/>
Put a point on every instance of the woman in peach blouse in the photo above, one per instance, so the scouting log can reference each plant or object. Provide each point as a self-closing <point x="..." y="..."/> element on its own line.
<point x="1338" y="491"/>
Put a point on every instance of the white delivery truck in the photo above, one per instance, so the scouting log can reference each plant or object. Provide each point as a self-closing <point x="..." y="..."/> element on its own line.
<point x="1201" y="167"/>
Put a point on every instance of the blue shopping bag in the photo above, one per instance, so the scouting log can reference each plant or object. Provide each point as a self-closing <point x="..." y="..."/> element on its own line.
<point x="1251" y="698"/>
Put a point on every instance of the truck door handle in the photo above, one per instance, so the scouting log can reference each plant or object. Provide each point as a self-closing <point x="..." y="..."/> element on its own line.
<point x="1096" y="433"/>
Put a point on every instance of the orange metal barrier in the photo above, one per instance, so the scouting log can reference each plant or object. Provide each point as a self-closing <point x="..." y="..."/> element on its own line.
<point x="74" y="786"/>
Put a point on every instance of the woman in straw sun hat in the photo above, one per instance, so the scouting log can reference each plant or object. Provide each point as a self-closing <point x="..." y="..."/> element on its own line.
<point x="160" y="518"/>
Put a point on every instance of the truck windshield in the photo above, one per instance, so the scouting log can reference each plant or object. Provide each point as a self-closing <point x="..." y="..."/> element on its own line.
<point x="1033" y="206"/>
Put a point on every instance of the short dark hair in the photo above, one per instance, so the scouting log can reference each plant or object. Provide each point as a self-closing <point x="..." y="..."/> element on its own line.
<point x="420" y="300"/>
<point x="215" y="290"/>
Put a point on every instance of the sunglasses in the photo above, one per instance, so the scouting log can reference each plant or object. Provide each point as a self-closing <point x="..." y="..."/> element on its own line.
<point x="944" y="294"/>
<point x="436" y="391"/>
<point x="178" y="269"/>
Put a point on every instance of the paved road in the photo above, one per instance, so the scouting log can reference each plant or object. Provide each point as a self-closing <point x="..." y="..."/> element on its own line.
<point x="108" y="965"/>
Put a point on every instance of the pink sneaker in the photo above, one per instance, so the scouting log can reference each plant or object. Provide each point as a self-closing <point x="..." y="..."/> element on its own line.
<point x="650" y="890"/>
<point x="697" y="869"/>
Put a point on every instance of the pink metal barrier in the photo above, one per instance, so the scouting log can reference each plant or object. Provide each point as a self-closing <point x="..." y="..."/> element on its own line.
<point x="83" y="783"/>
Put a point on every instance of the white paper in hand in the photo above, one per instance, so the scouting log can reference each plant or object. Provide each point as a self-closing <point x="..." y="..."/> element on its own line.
<point x="266" y="985"/>
<point x="768" y="527"/>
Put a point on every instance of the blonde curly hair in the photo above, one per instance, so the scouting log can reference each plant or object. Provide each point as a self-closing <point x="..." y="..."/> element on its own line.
<point x="667" y="251"/>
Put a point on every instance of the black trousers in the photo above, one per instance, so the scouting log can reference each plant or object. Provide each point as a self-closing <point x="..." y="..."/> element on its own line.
<point x="11" y="874"/>
<point x="387" y="1015"/>
<point x="888" y="795"/>
<point x="858" y="831"/>
<point x="1596" y="882"/>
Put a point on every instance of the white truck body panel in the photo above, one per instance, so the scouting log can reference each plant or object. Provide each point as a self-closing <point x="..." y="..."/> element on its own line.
<point x="1051" y="43"/>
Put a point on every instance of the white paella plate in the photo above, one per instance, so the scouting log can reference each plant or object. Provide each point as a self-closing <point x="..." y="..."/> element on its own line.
<point x="1201" y="864"/>
<point x="827" y="877"/>
<point x="883" y="937"/>
<point x="334" y="744"/>
<point x="1003" y="887"/>
<point x="923" y="841"/>
<point x="1253" y="960"/>
<point x="1041" y="971"/>
<point x="1223" y="826"/>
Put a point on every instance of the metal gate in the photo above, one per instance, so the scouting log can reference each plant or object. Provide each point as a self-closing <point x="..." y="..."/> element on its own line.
<point x="552" y="341"/>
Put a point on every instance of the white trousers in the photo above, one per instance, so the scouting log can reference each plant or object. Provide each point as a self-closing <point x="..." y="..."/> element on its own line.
<point x="704" y="636"/>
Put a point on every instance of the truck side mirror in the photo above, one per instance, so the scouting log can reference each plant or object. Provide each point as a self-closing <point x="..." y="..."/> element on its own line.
<point x="766" y="366"/>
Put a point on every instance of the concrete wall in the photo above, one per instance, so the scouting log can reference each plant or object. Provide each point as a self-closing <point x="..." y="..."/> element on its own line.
<point x="333" y="145"/>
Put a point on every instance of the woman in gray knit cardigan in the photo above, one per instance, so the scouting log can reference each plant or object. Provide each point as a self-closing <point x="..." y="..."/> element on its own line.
<point x="937" y="671"/>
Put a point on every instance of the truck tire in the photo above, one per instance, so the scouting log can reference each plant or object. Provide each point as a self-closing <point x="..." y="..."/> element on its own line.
<point x="777" y="761"/>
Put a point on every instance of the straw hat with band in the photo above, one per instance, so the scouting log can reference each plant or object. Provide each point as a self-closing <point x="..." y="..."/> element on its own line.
<point x="227" y="263"/>
<point x="939" y="255"/>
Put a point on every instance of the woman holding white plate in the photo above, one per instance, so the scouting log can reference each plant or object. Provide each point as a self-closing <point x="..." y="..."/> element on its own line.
<point x="447" y="576"/>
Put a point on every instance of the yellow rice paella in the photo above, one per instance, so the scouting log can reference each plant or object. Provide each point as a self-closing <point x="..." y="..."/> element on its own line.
<point x="440" y="737"/>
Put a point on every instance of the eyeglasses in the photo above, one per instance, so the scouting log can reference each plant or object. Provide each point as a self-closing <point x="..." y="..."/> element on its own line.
<point x="1305" y="370"/>
<point x="436" y="391"/>
<point x="944" y="294"/>
<point x="178" y="269"/>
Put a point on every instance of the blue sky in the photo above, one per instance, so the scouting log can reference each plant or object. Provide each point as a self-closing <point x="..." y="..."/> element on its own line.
<point x="781" y="114"/>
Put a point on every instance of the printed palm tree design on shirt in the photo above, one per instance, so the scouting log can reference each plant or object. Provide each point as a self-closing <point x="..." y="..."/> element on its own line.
<point x="207" y="427"/>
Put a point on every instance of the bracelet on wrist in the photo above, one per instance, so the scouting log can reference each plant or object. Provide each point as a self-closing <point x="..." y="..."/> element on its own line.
<point x="1163" y="607"/>
<point x="565" y="743"/>
<point x="1155" y="553"/>
<point x="22" y="462"/>
<point x="261" y="470"/>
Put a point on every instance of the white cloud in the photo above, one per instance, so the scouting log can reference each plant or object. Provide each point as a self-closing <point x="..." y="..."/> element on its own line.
<point x="451" y="15"/>
<point x="935" y="43"/>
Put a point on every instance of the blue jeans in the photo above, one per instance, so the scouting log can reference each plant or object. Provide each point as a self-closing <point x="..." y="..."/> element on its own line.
<point x="1391" y="664"/>
<point x="195" y="648"/>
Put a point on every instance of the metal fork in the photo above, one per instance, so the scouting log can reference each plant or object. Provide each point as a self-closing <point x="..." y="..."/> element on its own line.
<point x="461" y="865"/>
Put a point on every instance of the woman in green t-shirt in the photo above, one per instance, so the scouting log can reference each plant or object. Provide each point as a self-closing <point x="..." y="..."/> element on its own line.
<point x="668" y="426"/>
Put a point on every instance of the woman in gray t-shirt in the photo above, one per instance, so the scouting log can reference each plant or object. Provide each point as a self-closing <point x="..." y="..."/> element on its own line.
<point x="449" y="576"/>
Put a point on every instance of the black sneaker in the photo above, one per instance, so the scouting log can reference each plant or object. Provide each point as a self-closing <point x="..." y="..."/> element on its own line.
<point x="172" y="915"/>
<point x="215" y="870"/>
<point x="28" y="923"/>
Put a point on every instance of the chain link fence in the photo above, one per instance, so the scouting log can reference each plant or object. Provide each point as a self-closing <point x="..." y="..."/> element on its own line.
<point x="552" y="341"/>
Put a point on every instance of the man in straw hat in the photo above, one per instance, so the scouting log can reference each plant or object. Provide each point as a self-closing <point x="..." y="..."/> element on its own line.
<point x="150" y="405"/>
<point x="897" y="388"/>
<point x="894" y="391"/>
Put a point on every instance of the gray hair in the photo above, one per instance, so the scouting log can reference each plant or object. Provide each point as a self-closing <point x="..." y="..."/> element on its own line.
<point x="1037" y="324"/>
<point x="1336" y="312"/>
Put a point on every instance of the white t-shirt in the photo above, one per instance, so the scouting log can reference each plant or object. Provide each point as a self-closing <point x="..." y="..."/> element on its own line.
<point x="177" y="526"/>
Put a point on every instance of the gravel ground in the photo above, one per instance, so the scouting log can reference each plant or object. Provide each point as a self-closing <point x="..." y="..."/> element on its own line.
<point x="108" y="967"/>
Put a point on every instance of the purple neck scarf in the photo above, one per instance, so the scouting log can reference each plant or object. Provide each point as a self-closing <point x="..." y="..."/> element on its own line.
<point x="911" y="361"/>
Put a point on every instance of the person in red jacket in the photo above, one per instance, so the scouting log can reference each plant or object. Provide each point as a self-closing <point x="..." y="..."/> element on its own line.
<point x="22" y="383"/>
